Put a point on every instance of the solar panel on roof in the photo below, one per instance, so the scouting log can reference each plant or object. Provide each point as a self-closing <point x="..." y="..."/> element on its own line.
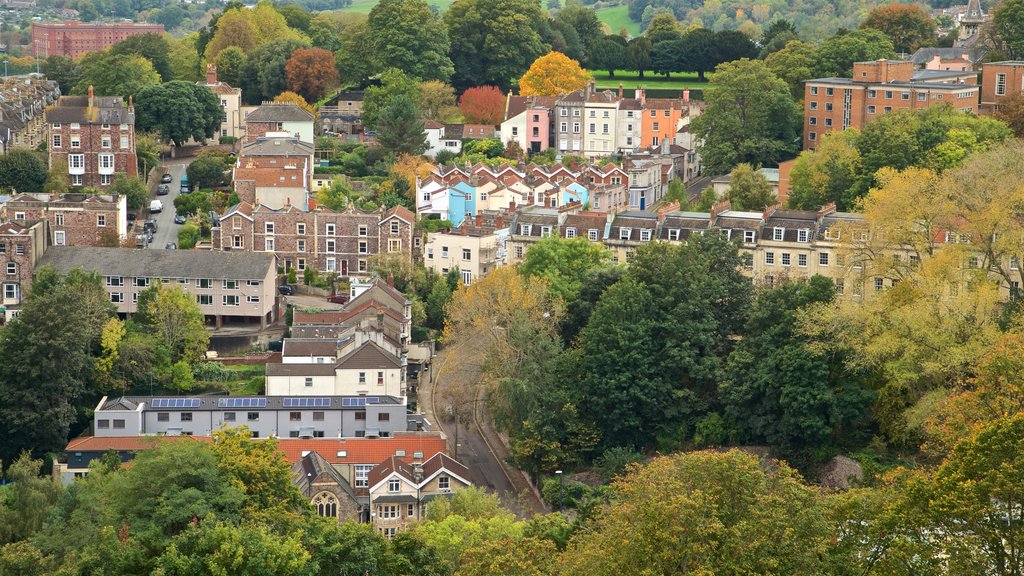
<point x="242" y="402"/>
<point x="307" y="402"/>
<point x="175" y="403"/>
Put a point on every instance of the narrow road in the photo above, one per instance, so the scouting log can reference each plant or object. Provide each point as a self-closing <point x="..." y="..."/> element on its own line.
<point x="166" y="229"/>
<point x="482" y="455"/>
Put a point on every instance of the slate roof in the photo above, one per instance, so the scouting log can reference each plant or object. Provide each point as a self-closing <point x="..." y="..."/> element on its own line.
<point x="442" y="460"/>
<point x="308" y="347"/>
<point x="302" y="369"/>
<point x="105" y="110"/>
<point x="279" y="112"/>
<point x="130" y="262"/>
<point x="311" y="466"/>
<point x="516" y="105"/>
<point x="924" y="55"/>
<point x="368" y="355"/>
<point x="277" y="146"/>
<point x="211" y="403"/>
<point x="385" y="468"/>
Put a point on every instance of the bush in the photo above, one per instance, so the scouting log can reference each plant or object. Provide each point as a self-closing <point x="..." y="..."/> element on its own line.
<point x="420" y="334"/>
<point x="212" y="372"/>
<point x="614" y="461"/>
<point x="292" y="277"/>
<point x="228" y="139"/>
<point x="308" y="276"/>
<point x="188" y="236"/>
<point x="433" y="225"/>
<point x="572" y="494"/>
<point x="444" y="157"/>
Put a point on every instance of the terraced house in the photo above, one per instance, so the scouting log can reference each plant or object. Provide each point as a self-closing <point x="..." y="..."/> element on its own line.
<point x="23" y="102"/>
<point x="93" y="138"/>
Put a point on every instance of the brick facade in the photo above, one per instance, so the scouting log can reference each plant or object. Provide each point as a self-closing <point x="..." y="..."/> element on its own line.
<point x="72" y="39"/>
<point x="21" y="245"/>
<point x="71" y="219"/>
<point x="94" y="137"/>
<point x="999" y="81"/>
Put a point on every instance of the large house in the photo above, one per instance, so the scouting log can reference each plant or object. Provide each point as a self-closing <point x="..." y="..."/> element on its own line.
<point x="274" y="171"/>
<point x="400" y="490"/>
<point x="230" y="287"/>
<point x="363" y="369"/>
<point x="23" y="102"/>
<point x="72" y="219"/>
<point x="230" y="101"/>
<point x="93" y="138"/>
<point x="273" y="118"/>
<point x="73" y="39"/>
<point x="879" y="87"/>
<point x="475" y="248"/>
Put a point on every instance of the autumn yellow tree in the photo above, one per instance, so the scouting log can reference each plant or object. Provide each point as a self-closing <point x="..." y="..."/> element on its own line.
<point x="553" y="74"/>
<point x="289" y="97"/>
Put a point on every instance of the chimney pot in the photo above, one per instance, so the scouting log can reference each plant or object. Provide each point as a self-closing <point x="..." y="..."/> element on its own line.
<point x="391" y="280"/>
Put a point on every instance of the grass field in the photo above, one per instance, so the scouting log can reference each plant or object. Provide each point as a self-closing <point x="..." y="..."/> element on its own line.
<point x="616" y="18"/>
<point x="649" y="81"/>
<point x="364" y="6"/>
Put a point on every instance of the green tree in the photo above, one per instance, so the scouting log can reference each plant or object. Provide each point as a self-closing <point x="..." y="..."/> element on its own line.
<point x="564" y="263"/>
<point x="793" y="64"/>
<point x="584" y="21"/>
<point x="264" y="76"/>
<point x="132" y="188"/>
<point x="440" y="296"/>
<point x="750" y="117"/>
<point x="184" y="59"/>
<point x="62" y="70"/>
<point x="399" y="128"/>
<point x="909" y="26"/>
<point x="1008" y="23"/>
<point x="152" y="47"/>
<point x="827" y="174"/>
<point x="324" y="33"/>
<point x="607" y="54"/>
<point x="337" y="196"/>
<point x="355" y="59"/>
<point x="662" y="331"/>
<point x="222" y="548"/>
<point x="749" y="189"/>
<point x="493" y="41"/>
<point x="207" y="171"/>
<point x="393" y="82"/>
<point x="261" y="469"/>
<point x="696" y="50"/>
<point x="780" y="390"/>
<point x="174" y="317"/>
<point x="663" y="27"/>
<point x="188" y="235"/>
<point x="837" y="54"/>
<point x="22" y="170"/>
<point x="121" y="75"/>
<point x="409" y="36"/>
<point x="666" y="513"/>
<point x="46" y="360"/>
<point x="179" y="111"/>
<point x="27" y="502"/>
<point x="230" y="65"/>
<point x="579" y="308"/>
<point x="732" y="45"/>
<point x="638" y="55"/>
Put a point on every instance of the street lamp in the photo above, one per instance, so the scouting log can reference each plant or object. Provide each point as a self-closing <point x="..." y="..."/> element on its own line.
<point x="561" y="493"/>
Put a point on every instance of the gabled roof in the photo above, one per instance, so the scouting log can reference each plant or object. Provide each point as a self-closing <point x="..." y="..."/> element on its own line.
<point x="368" y="355"/>
<point x="392" y="465"/>
<point x="311" y="466"/>
<point x="308" y="347"/>
<point x="400" y="212"/>
<point x="442" y="461"/>
<point x="379" y="286"/>
<point x="365" y="450"/>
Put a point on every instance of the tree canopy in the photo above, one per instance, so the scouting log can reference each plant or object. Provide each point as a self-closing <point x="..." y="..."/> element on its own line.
<point x="493" y="41"/>
<point x="553" y="74"/>
<point x="179" y="111"/>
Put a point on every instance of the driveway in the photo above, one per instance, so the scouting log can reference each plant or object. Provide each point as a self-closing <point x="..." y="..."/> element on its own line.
<point x="166" y="229"/>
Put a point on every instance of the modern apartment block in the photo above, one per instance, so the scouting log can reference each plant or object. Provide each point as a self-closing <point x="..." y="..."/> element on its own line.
<point x="265" y="416"/>
<point x="23" y="103"/>
<point x="231" y="287"/>
<point x="879" y="87"/>
<point x="999" y="81"/>
<point x="73" y="39"/>
<point x="94" y="137"/>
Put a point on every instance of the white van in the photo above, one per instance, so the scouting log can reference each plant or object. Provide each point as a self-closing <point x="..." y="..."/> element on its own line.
<point x="156" y="206"/>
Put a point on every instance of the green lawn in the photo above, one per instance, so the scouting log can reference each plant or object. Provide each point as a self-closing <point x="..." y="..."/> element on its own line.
<point x="364" y="6"/>
<point x="616" y="18"/>
<point x="650" y="80"/>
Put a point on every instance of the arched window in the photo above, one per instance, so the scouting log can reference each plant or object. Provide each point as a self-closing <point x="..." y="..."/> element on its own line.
<point x="326" y="504"/>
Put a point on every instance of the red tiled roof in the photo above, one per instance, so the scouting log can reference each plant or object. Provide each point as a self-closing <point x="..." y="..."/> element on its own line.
<point x="402" y="212"/>
<point x="273" y="177"/>
<point x="385" y="468"/>
<point x="124" y="443"/>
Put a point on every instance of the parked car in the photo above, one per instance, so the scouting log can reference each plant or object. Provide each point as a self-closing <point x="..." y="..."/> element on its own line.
<point x="170" y="246"/>
<point x="286" y="289"/>
<point x="163" y="189"/>
<point x="184" y="189"/>
<point x="156" y="206"/>
<point x="131" y="216"/>
<point x="338" y="298"/>
<point x="149" y="225"/>
<point x="166" y="178"/>
<point x="179" y="219"/>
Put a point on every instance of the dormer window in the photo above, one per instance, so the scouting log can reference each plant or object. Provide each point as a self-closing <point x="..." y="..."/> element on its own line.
<point x="803" y="235"/>
<point x="624" y="233"/>
<point x="645" y="235"/>
<point x="778" y="233"/>
<point x="525" y="229"/>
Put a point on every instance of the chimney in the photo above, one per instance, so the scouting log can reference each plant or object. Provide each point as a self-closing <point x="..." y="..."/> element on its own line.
<point x="391" y="280"/>
<point x="769" y="210"/>
<point x="620" y="89"/>
<point x="686" y="94"/>
<point x="827" y="209"/>
<point x="211" y="73"/>
<point x="91" y="100"/>
<point x="641" y="96"/>
<point x="512" y="207"/>
<point x="719" y="207"/>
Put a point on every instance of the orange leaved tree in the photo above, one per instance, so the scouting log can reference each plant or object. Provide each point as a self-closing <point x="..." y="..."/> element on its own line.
<point x="553" y="74"/>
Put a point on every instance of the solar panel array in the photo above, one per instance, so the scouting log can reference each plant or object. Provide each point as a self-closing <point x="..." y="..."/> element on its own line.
<point x="360" y="401"/>
<point x="307" y="402"/>
<point x="242" y="403"/>
<point x="175" y="403"/>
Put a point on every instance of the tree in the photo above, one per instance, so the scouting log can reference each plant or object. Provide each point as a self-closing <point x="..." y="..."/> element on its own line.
<point x="47" y="363"/>
<point x="295" y="16"/>
<point x="493" y="41"/>
<point x="837" y="54"/>
<point x="233" y="29"/>
<point x="663" y="27"/>
<point x="732" y="45"/>
<point x="230" y="64"/>
<point x="437" y="102"/>
<point x="28" y="501"/>
<point x="399" y="128"/>
<point x="483" y="105"/>
<point x="553" y="74"/>
<point x="179" y="110"/>
<point x="1008" y="24"/>
<point x="665" y="57"/>
<point x="409" y="36"/>
<point x="749" y="189"/>
<point x="171" y="16"/>
<point x="224" y="548"/>
<point x="336" y="197"/>
<point x="22" y="170"/>
<point x="261" y="469"/>
<point x="152" y="47"/>
<point x="325" y="33"/>
<point x="696" y="50"/>
<point x="133" y="189"/>
<point x="62" y="70"/>
<point x="207" y="171"/>
<point x="121" y="75"/>
<point x="311" y="73"/>
<point x="521" y="557"/>
<point x="908" y="25"/>
<point x="793" y="64"/>
<point x="759" y="517"/>
<point x="355" y="59"/>
<point x="660" y="332"/>
<point x="1011" y="111"/>
<point x="185" y="61"/>
<point x="750" y="117"/>
<point x="638" y="55"/>
<point x="584" y="22"/>
<point x="393" y="83"/>
<point x="607" y="54"/>
<point x="264" y="75"/>
<point x="828" y="174"/>
<point x="174" y="317"/>
<point x="563" y="264"/>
